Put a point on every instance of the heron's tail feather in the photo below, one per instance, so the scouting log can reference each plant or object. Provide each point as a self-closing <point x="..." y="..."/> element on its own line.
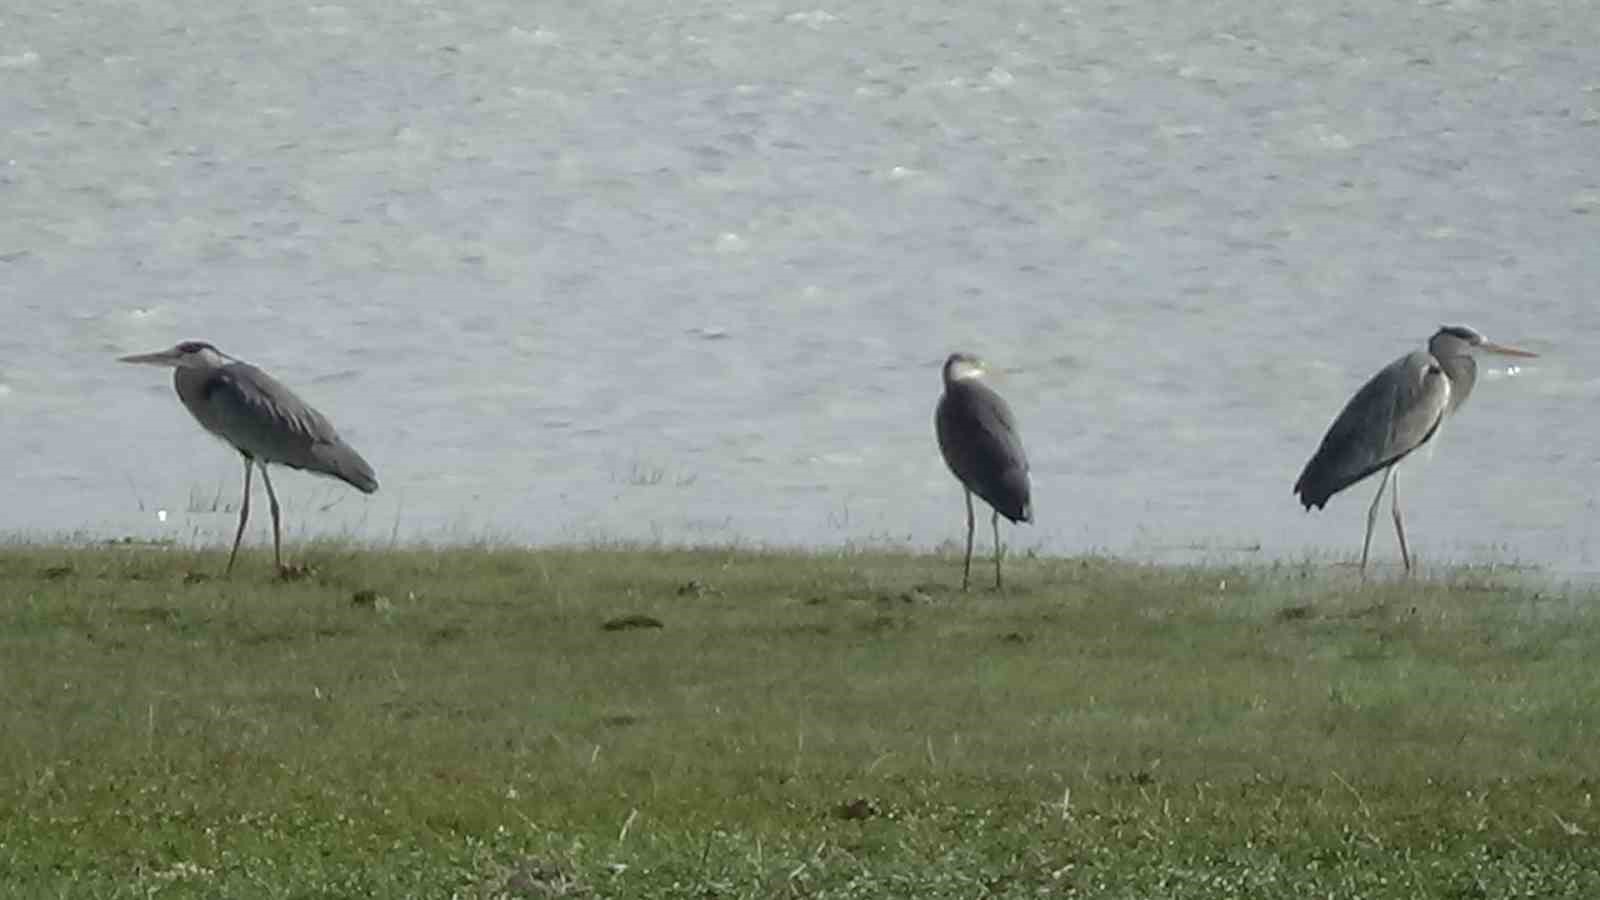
<point x="1311" y="495"/>
<point x="343" y="462"/>
<point x="1321" y="481"/>
<point x="1012" y="496"/>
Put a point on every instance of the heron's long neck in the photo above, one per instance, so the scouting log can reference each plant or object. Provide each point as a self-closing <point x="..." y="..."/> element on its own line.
<point x="191" y="386"/>
<point x="1462" y="370"/>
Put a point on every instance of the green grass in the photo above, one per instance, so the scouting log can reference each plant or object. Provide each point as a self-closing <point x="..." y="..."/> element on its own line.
<point x="460" y="723"/>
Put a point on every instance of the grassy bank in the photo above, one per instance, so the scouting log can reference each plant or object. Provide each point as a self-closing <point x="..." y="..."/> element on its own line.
<point x="496" y="723"/>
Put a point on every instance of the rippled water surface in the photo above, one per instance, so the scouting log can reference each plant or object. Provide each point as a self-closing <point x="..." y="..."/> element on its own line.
<point x="626" y="270"/>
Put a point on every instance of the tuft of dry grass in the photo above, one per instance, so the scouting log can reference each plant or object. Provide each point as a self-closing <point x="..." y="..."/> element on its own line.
<point x="645" y="722"/>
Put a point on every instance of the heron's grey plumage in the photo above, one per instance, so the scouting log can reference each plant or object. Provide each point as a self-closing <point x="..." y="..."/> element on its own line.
<point x="978" y="438"/>
<point x="262" y="419"/>
<point x="267" y="422"/>
<point x="1395" y="412"/>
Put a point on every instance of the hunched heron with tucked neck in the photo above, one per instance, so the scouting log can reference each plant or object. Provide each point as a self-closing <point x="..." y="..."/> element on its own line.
<point x="1395" y="412"/>
<point x="978" y="437"/>
<point x="263" y="420"/>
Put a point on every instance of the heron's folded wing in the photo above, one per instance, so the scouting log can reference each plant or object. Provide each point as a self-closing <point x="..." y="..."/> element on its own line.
<point x="1394" y="413"/>
<point x="978" y="437"/>
<point x="266" y="420"/>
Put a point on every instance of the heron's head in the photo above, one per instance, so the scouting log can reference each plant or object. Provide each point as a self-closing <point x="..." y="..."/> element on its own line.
<point x="187" y="355"/>
<point x="962" y="366"/>
<point x="1456" y="340"/>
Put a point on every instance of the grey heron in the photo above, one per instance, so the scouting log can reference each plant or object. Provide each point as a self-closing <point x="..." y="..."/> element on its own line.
<point x="261" y="419"/>
<point x="1395" y="412"/>
<point x="978" y="437"/>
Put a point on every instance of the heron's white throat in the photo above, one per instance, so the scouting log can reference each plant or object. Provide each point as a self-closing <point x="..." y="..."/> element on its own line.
<point x="963" y="369"/>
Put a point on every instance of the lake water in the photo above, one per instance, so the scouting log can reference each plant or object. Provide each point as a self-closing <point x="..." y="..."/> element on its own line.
<point x="639" y="271"/>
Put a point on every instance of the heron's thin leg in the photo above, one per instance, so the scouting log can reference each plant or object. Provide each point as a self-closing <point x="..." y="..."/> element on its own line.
<point x="244" y="515"/>
<point x="966" y="566"/>
<point x="277" y="540"/>
<point x="1372" y="517"/>
<point x="1399" y="528"/>
<point x="996" y="523"/>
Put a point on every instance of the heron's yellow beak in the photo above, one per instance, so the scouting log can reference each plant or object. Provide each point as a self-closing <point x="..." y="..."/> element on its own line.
<point x="163" y="358"/>
<point x="1503" y="350"/>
